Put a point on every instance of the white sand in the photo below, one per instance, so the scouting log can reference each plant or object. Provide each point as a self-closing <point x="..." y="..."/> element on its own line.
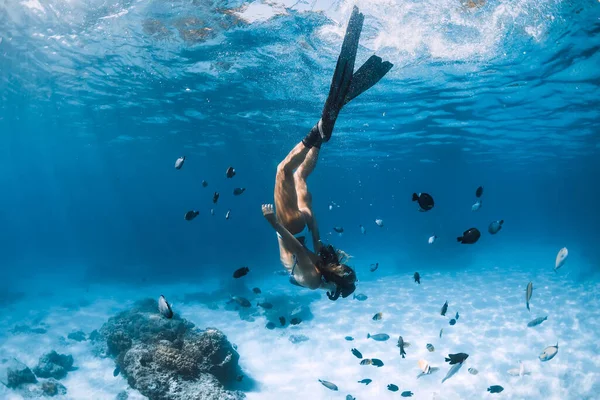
<point x="492" y="329"/>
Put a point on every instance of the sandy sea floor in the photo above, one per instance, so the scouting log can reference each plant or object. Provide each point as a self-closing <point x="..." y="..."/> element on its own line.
<point x="492" y="329"/>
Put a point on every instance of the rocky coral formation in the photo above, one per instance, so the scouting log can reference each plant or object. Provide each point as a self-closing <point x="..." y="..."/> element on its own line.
<point x="54" y="365"/>
<point x="14" y="374"/>
<point x="17" y="376"/>
<point x="52" y="387"/>
<point x="27" y="329"/>
<point x="169" y="358"/>
<point x="78" y="336"/>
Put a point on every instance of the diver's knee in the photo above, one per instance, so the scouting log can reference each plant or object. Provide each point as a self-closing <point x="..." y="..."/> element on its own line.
<point x="283" y="168"/>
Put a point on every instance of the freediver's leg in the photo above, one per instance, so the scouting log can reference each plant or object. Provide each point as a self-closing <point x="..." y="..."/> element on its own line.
<point x="286" y="198"/>
<point x="305" y="197"/>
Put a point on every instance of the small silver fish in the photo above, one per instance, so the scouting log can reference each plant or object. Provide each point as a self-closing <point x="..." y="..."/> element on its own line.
<point x="476" y="206"/>
<point x="528" y="293"/>
<point x="473" y="371"/>
<point x="430" y="347"/>
<point x="536" y="321"/>
<point x="360" y="297"/>
<point x="379" y="222"/>
<point x="179" y="162"/>
<point x="549" y="353"/>
<point x="379" y="337"/>
<point x="242" y="301"/>
<point x="455" y="368"/>
<point x="228" y="214"/>
<point x="424" y="366"/>
<point x="441" y="331"/>
<point x="164" y="308"/>
<point x="561" y="258"/>
<point x="329" y="385"/>
<point x="432" y="239"/>
<point x="363" y="230"/>
<point x="495" y="226"/>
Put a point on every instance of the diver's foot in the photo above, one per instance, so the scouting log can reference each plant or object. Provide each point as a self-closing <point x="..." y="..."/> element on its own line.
<point x="268" y="212"/>
<point x="325" y="133"/>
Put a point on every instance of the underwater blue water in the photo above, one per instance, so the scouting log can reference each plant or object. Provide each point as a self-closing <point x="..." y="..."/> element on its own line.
<point x="98" y="100"/>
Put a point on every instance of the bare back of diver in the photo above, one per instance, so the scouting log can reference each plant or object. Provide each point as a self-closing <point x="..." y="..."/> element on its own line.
<point x="293" y="217"/>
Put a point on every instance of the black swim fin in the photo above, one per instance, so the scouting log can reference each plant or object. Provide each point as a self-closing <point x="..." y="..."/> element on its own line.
<point x="342" y="77"/>
<point x="345" y="84"/>
<point x="367" y="76"/>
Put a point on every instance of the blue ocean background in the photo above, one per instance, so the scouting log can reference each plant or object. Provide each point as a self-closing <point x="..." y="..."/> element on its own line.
<point x="99" y="99"/>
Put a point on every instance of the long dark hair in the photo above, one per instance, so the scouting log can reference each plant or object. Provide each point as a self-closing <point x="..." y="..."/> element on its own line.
<point x="333" y="270"/>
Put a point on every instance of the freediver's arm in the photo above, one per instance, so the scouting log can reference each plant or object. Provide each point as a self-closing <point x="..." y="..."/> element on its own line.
<point x="316" y="237"/>
<point x="288" y="239"/>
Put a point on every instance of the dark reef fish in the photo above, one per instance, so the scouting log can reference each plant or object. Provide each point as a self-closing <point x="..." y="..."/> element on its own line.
<point x="204" y="183"/>
<point x="495" y="389"/>
<point x="295" y="321"/>
<point x="401" y="345"/>
<point x="470" y="236"/>
<point x="338" y="229"/>
<point x="357" y="353"/>
<point x="238" y="191"/>
<point x="265" y="305"/>
<point x="164" y="307"/>
<point x="393" y="388"/>
<point x="376" y="362"/>
<point x="425" y="201"/>
<point x="479" y="191"/>
<point x="256" y="290"/>
<point x="378" y="316"/>
<point x="190" y="215"/>
<point x="444" y="308"/>
<point x="417" y="278"/>
<point x="215" y="197"/>
<point x="238" y="273"/>
<point x="365" y="381"/>
<point x="241" y="301"/>
<point x="452" y="321"/>
<point x="456" y="358"/>
<point x="282" y="321"/>
<point x="374" y="267"/>
<point x="230" y="173"/>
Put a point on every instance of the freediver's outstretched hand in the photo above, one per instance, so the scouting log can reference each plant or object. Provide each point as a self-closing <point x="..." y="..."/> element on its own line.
<point x="335" y="295"/>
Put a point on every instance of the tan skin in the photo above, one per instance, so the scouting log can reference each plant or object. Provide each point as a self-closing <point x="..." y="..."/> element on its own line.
<point x="293" y="205"/>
